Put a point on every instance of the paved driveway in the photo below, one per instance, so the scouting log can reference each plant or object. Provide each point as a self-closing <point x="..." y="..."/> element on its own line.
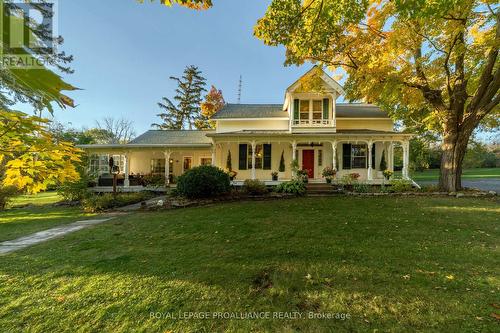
<point x="482" y="184"/>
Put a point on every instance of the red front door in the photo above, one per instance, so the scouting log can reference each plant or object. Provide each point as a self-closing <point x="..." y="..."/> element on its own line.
<point x="308" y="162"/>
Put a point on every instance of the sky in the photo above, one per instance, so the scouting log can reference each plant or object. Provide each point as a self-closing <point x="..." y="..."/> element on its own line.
<point x="125" y="53"/>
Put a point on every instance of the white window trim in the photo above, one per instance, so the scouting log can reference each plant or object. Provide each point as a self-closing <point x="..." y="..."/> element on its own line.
<point x="311" y="121"/>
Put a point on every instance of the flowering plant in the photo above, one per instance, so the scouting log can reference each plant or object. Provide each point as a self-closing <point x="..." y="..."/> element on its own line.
<point x="232" y="174"/>
<point x="354" y="175"/>
<point x="329" y="172"/>
<point x="388" y="173"/>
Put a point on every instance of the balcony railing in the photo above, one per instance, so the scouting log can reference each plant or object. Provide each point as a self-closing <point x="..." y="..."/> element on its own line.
<point x="312" y="123"/>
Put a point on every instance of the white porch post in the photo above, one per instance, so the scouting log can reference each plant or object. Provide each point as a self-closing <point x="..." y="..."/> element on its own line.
<point x="167" y="167"/>
<point x="294" y="155"/>
<point x="254" y="145"/>
<point x="370" y="170"/>
<point x="406" y="155"/>
<point x="334" y="158"/>
<point x="213" y="157"/>
<point x="126" y="182"/>
<point x="391" y="156"/>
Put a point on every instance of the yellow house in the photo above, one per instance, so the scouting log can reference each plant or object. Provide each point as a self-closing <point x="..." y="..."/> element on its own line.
<point x="310" y="127"/>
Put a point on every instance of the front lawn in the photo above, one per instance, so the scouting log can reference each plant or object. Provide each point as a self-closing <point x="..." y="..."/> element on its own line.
<point x="390" y="263"/>
<point x="31" y="213"/>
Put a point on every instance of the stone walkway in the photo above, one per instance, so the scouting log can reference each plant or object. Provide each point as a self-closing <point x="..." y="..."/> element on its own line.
<point x="42" y="236"/>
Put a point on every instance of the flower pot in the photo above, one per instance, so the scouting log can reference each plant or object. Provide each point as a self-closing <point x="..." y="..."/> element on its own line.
<point x="328" y="180"/>
<point x="275" y="178"/>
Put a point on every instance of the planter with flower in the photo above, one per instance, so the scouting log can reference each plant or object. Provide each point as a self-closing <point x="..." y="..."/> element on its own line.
<point x="329" y="174"/>
<point x="354" y="176"/>
<point x="274" y="175"/>
<point x="303" y="175"/>
<point x="232" y="174"/>
<point x="388" y="174"/>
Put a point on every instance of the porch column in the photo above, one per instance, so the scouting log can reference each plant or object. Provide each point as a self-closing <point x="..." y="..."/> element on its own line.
<point x="370" y="171"/>
<point x="254" y="145"/>
<point x="406" y="155"/>
<point x="391" y="156"/>
<point x="126" y="161"/>
<point x="294" y="155"/>
<point x="334" y="158"/>
<point x="213" y="157"/>
<point x="167" y="167"/>
<point x="214" y="145"/>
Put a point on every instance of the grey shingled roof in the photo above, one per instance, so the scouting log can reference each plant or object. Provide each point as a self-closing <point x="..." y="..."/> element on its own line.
<point x="172" y="137"/>
<point x="344" y="110"/>
<point x="251" y="111"/>
<point x="357" y="110"/>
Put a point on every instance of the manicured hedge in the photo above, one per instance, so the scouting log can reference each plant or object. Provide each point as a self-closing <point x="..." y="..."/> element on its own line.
<point x="254" y="187"/>
<point x="203" y="182"/>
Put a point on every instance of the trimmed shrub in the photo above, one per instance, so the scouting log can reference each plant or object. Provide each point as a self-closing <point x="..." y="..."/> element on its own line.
<point x="96" y="203"/>
<point x="401" y="185"/>
<point x="6" y="195"/>
<point x="74" y="191"/>
<point x="282" y="162"/>
<point x="296" y="187"/>
<point x="203" y="182"/>
<point x="254" y="187"/>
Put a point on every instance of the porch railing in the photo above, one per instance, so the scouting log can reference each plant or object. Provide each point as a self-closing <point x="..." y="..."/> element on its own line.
<point x="312" y="123"/>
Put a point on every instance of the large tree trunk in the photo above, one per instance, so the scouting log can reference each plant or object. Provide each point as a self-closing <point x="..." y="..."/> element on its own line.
<point x="455" y="141"/>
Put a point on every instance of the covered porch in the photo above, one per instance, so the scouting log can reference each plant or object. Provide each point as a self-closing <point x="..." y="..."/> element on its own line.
<point x="257" y="154"/>
<point x="152" y="168"/>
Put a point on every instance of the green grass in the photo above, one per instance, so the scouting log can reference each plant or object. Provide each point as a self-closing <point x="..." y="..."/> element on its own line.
<point x="31" y="213"/>
<point x="433" y="174"/>
<point x="43" y="198"/>
<point x="393" y="264"/>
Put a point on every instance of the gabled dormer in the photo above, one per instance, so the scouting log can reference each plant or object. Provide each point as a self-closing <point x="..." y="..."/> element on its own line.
<point x="310" y="102"/>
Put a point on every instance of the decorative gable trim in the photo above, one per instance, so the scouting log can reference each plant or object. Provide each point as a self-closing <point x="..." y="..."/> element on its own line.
<point x="331" y="83"/>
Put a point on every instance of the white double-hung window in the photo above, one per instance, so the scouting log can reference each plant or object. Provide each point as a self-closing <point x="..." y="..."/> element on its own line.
<point x="311" y="111"/>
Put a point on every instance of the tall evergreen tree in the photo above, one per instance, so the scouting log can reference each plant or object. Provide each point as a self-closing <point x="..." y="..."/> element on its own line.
<point x="188" y="96"/>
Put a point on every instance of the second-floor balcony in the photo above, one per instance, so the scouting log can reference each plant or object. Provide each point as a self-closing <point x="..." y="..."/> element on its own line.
<point x="313" y="123"/>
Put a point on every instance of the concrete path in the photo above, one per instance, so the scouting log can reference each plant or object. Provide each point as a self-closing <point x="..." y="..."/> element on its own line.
<point x="42" y="236"/>
<point x="492" y="184"/>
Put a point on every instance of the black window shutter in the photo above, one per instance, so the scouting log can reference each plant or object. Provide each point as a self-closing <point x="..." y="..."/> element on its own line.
<point x="346" y="156"/>
<point x="373" y="157"/>
<point x="296" y="109"/>
<point x="326" y="108"/>
<point x="267" y="157"/>
<point x="242" y="165"/>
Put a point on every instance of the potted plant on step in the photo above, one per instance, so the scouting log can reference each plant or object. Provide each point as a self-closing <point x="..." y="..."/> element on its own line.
<point x="302" y="174"/>
<point x="232" y="174"/>
<point x="274" y="175"/>
<point x="329" y="174"/>
<point x="388" y="174"/>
